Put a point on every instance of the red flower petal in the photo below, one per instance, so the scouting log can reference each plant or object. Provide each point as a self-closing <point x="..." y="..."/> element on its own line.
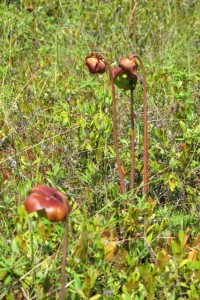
<point x="129" y="65"/>
<point x="56" y="212"/>
<point x="116" y="72"/>
<point x="95" y="63"/>
<point x="34" y="202"/>
<point x="52" y="201"/>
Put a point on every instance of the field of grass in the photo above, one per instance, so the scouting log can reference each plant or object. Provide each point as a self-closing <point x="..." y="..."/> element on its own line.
<point x="56" y="129"/>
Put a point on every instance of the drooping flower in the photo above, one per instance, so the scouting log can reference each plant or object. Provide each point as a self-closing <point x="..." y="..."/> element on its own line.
<point x="129" y="65"/>
<point x="48" y="202"/>
<point x="95" y="63"/>
<point x="30" y="7"/>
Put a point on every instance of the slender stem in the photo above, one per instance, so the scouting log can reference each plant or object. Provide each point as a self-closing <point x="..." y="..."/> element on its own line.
<point x="145" y="125"/>
<point x="132" y="17"/>
<point x="134" y="27"/>
<point x="35" y="40"/>
<point x="64" y="260"/>
<point x="132" y="141"/>
<point x="31" y="241"/>
<point x="31" y="251"/>
<point x="115" y="134"/>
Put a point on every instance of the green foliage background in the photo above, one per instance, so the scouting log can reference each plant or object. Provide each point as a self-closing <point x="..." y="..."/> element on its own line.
<point x="56" y="129"/>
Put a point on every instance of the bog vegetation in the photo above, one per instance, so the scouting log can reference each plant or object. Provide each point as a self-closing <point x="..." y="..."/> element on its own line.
<point x="56" y="129"/>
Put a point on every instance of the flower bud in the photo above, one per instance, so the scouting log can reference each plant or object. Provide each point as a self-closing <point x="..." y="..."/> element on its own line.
<point x="129" y="65"/>
<point x="48" y="201"/>
<point x="30" y="7"/>
<point x="95" y="63"/>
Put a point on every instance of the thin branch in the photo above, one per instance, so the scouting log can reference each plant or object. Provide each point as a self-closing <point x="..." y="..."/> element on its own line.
<point x="132" y="142"/>
<point x="132" y="17"/>
<point x="35" y="41"/>
<point x="145" y="125"/>
<point x="115" y="134"/>
<point x="64" y="260"/>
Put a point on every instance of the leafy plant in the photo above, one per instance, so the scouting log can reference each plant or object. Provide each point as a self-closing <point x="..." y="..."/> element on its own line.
<point x="56" y="130"/>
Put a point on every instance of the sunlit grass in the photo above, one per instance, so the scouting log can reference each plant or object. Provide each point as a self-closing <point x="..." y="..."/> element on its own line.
<point x="56" y="129"/>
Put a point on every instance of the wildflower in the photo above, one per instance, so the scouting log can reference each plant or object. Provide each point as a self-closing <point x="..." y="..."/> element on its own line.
<point x="48" y="202"/>
<point x="129" y="65"/>
<point x="95" y="63"/>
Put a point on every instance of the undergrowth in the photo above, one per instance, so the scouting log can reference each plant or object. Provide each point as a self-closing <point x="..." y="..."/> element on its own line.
<point x="56" y="129"/>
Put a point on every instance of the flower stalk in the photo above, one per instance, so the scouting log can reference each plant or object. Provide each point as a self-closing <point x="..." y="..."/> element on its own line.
<point x="145" y="153"/>
<point x="132" y="141"/>
<point x="64" y="261"/>
<point x="31" y="9"/>
<point x="115" y="133"/>
<point x="97" y="63"/>
<point x="125" y="77"/>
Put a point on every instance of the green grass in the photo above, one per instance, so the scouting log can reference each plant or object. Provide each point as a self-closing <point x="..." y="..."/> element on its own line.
<point x="56" y="129"/>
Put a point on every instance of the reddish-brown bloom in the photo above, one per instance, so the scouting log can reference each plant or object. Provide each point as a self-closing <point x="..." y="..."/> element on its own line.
<point x="129" y="65"/>
<point x="95" y="63"/>
<point x="49" y="201"/>
<point x="30" y="7"/>
<point x="117" y="72"/>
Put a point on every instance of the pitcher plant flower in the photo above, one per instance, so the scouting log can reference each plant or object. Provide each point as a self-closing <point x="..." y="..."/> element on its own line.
<point x="53" y="205"/>
<point x="48" y="202"/>
<point x="129" y="65"/>
<point x="95" y="63"/>
<point x="124" y="77"/>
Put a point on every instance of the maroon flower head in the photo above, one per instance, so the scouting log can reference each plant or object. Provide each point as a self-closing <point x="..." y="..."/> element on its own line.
<point x="30" y="7"/>
<point x="117" y="72"/>
<point x="95" y="63"/>
<point x="129" y="65"/>
<point x="52" y="203"/>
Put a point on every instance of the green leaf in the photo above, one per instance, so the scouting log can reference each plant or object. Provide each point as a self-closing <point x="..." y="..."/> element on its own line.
<point x="18" y="272"/>
<point x="8" y="279"/>
<point x="96" y="297"/>
<point x="3" y="265"/>
<point x="183" y="126"/>
<point x="182" y="238"/>
<point x="173" y="182"/>
<point x="183" y="263"/>
<point x="195" y="264"/>
<point x="149" y="238"/>
<point x="81" y="293"/>
<point x="14" y="246"/>
<point x="172" y="163"/>
<point x="77" y="280"/>
<point x="150" y="228"/>
<point x="89" y="147"/>
<point x="175" y="247"/>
